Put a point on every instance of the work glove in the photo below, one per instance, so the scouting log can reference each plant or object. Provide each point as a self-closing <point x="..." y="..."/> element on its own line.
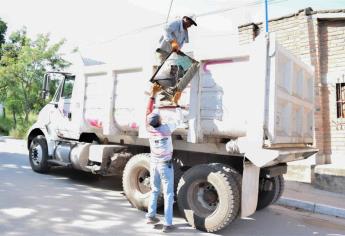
<point x="155" y="89"/>
<point x="176" y="98"/>
<point x="174" y="45"/>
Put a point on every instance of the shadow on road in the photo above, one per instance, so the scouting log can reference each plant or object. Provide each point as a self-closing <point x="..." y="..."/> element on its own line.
<point x="65" y="200"/>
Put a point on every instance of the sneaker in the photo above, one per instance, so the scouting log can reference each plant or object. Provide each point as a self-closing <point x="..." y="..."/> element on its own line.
<point x="167" y="228"/>
<point x="152" y="220"/>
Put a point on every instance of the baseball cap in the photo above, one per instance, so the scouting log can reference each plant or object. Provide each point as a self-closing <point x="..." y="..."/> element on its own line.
<point x="154" y="119"/>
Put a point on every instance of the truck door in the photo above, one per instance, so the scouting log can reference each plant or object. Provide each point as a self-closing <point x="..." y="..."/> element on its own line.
<point x="62" y="116"/>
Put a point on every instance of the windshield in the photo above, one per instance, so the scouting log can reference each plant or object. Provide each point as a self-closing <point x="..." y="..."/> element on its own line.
<point x="60" y="85"/>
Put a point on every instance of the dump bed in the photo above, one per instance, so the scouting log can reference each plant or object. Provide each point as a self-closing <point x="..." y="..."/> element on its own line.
<point x="250" y="102"/>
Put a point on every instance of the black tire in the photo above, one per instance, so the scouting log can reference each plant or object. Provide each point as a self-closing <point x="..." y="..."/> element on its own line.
<point x="217" y="209"/>
<point x="230" y="170"/>
<point x="268" y="192"/>
<point x="177" y="174"/>
<point x="136" y="182"/>
<point x="38" y="154"/>
<point x="281" y="185"/>
<point x="234" y="173"/>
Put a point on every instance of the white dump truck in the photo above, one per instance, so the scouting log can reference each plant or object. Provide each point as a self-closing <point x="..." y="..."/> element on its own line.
<point x="244" y="117"/>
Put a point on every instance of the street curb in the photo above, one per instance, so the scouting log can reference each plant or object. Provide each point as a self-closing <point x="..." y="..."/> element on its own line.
<point x="312" y="207"/>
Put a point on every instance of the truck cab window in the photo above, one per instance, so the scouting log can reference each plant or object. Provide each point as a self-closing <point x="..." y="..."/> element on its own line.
<point x="68" y="87"/>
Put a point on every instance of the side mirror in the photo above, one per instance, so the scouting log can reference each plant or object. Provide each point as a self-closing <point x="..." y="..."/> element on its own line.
<point x="45" y="87"/>
<point x="44" y="94"/>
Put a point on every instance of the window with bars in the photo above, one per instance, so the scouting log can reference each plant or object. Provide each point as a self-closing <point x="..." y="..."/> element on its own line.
<point x="340" y="93"/>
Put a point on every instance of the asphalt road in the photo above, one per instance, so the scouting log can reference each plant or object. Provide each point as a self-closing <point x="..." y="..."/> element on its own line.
<point x="68" y="202"/>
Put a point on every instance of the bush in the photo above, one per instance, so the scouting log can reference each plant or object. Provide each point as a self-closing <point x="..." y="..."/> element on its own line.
<point x="22" y="127"/>
<point x="5" y="125"/>
<point x="15" y="133"/>
<point x="20" y="131"/>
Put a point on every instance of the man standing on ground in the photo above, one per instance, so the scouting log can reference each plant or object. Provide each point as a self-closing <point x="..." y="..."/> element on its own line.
<point x="161" y="168"/>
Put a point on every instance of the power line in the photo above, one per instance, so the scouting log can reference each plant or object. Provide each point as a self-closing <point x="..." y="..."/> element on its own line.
<point x="220" y="11"/>
<point x="169" y="11"/>
<point x="138" y="30"/>
<point x="255" y="3"/>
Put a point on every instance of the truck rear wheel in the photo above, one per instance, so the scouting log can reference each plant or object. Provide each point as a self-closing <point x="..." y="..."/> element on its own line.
<point x="38" y="154"/>
<point x="281" y="185"/>
<point x="136" y="181"/>
<point x="230" y="170"/>
<point x="268" y="192"/>
<point x="208" y="197"/>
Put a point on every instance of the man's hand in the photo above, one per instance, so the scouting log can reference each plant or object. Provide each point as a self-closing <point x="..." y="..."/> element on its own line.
<point x="174" y="45"/>
<point x="176" y="98"/>
<point x="155" y="89"/>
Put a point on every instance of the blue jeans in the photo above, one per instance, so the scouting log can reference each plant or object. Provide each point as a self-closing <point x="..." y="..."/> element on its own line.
<point x="162" y="173"/>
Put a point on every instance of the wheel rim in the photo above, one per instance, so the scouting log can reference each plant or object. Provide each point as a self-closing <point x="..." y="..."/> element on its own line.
<point x="143" y="180"/>
<point x="36" y="154"/>
<point x="204" y="199"/>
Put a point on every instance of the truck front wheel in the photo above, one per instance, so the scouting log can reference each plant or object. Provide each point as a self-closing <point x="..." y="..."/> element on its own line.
<point x="136" y="182"/>
<point x="208" y="197"/>
<point x="38" y="154"/>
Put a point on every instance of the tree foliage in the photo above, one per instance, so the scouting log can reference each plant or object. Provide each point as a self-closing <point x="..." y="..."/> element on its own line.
<point x="23" y="64"/>
<point x="3" y="29"/>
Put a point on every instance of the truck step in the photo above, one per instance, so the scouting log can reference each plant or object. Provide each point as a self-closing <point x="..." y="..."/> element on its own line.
<point x="60" y="163"/>
<point x="94" y="168"/>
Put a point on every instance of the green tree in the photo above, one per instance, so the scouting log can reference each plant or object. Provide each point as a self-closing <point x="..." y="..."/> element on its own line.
<point x="3" y="29"/>
<point x="22" y="67"/>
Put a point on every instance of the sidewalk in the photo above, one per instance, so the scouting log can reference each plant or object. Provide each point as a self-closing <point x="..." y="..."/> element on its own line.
<point x="306" y="197"/>
<point x="11" y="145"/>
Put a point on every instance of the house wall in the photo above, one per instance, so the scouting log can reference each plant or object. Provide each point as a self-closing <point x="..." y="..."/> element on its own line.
<point x="332" y="70"/>
<point x="319" y="40"/>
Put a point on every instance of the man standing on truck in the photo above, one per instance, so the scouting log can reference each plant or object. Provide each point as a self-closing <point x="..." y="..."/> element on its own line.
<point x="161" y="168"/>
<point x="174" y="36"/>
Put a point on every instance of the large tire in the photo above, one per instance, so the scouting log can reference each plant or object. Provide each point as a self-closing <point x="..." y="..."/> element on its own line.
<point x="230" y="170"/>
<point x="267" y="196"/>
<point x="38" y="154"/>
<point x="234" y="173"/>
<point x="281" y="186"/>
<point x="177" y="174"/>
<point x="136" y="182"/>
<point x="208" y="198"/>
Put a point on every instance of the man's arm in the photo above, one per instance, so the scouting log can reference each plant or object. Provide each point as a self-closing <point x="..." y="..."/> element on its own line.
<point x="168" y="31"/>
<point x="176" y="121"/>
<point x="150" y="104"/>
<point x="169" y="35"/>
<point x="154" y="90"/>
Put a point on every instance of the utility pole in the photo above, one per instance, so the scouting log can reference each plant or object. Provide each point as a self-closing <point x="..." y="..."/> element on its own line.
<point x="266" y="16"/>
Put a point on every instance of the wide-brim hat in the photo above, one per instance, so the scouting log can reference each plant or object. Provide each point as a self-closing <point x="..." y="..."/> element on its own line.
<point x="191" y="18"/>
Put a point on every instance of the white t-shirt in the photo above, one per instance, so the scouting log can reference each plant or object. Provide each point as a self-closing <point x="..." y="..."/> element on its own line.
<point x="161" y="142"/>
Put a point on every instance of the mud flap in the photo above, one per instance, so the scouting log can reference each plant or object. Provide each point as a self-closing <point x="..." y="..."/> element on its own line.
<point x="250" y="189"/>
